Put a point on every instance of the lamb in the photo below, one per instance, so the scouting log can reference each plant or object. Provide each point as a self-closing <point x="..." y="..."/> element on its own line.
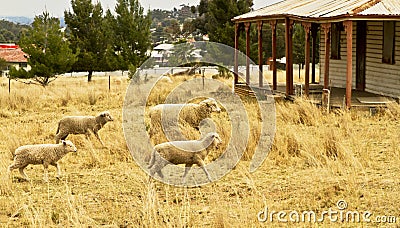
<point x="192" y="114"/>
<point x="45" y="154"/>
<point x="82" y="125"/>
<point x="183" y="152"/>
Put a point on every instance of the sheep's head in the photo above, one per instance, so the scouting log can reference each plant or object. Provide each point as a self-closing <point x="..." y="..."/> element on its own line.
<point x="216" y="140"/>
<point x="211" y="105"/>
<point x="106" y="116"/>
<point x="69" y="146"/>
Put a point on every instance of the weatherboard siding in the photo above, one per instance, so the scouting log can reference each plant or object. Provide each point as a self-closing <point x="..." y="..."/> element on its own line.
<point x="337" y="67"/>
<point x="380" y="77"/>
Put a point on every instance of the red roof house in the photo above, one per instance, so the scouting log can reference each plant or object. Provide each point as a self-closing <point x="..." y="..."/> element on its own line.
<point x="14" y="55"/>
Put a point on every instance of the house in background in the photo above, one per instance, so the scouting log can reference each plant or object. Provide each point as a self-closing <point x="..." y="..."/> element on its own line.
<point x="161" y="53"/>
<point x="14" y="56"/>
<point x="359" y="45"/>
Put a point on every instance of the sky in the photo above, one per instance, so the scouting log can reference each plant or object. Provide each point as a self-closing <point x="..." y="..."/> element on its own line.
<point x="56" y="8"/>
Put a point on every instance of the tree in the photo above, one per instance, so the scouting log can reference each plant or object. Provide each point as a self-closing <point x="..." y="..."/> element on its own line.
<point x="183" y="54"/>
<point x="203" y="7"/>
<point x="298" y="44"/>
<point x="188" y="28"/>
<point x="88" y="36"/>
<point x="132" y="32"/>
<point x="193" y="9"/>
<point x="173" y="30"/>
<point x="3" y="65"/>
<point x="48" y="50"/>
<point x="10" y="32"/>
<point x="219" y="16"/>
<point x="111" y="60"/>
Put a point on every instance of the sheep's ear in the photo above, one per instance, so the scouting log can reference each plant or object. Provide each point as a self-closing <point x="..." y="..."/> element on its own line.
<point x="64" y="143"/>
<point x="102" y="114"/>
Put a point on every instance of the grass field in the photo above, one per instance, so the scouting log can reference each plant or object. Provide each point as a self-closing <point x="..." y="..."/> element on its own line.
<point x="316" y="160"/>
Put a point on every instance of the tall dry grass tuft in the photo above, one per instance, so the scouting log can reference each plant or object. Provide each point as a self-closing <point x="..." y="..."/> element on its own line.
<point x="6" y="183"/>
<point x="92" y="98"/>
<point x="330" y="144"/>
<point x="302" y="111"/>
<point x="393" y="111"/>
<point x="65" y="98"/>
<point x="308" y="138"/>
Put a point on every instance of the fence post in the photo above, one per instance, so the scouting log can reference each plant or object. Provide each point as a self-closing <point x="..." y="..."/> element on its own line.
<point x="203" y="77"/>
<point x="109" y="82"/>
<point x="9" y="84"/>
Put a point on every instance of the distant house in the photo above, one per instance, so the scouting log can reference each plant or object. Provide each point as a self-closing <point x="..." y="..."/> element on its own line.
<point x="14" y="56"/>
<point x="161" y="53"/>
<point x="359" y="42"/>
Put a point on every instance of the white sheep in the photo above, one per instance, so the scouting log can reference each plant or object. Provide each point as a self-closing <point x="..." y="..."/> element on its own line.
<point x="82" y="125"/>
<point x="45" y="154"/>
<point x="192" y="114"/>
<point x="192" y="152"/>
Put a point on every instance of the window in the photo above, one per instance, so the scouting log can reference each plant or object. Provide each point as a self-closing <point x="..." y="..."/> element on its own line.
<point x="24" y="65"/>
<point x="335" y="40"/>
<point x="388" y="42"/>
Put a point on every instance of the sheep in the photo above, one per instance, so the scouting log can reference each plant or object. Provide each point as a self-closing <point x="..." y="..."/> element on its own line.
<point x="82" y="125"/>
<point x="183" y="152"/>
<point x="45" y="154"/>
<point x="192" y="114"/>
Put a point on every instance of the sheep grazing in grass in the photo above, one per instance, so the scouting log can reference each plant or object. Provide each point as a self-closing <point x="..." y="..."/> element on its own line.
<point x="45" y="154"/>
<point x="192" y="152"/>
<point x="192" y="114"/>
<point x="82" y="125"/>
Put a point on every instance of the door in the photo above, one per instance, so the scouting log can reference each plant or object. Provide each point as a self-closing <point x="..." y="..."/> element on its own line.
<point x="361" y="46"/>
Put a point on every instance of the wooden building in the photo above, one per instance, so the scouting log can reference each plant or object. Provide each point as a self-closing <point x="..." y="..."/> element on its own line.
<point x="359" y="45"/>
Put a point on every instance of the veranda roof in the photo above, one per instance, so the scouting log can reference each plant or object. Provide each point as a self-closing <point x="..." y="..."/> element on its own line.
<point x="324" y="9"/>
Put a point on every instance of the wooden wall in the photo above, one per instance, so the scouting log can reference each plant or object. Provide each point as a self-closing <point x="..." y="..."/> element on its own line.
<point x="381" y="78"/>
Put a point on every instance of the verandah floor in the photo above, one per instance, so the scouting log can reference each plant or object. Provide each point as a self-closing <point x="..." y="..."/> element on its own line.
<point x="337" y="96"/>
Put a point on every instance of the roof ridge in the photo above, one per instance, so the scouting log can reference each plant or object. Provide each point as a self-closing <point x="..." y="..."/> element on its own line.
<point x="364" y="6"/>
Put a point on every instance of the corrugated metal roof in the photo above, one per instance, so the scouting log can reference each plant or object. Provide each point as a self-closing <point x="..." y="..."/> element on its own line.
<point x="385" y="7"/>
<point x="326" y="8"/>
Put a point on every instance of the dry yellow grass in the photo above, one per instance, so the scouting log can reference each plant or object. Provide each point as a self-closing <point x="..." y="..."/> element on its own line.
<point x="316" y="160"/>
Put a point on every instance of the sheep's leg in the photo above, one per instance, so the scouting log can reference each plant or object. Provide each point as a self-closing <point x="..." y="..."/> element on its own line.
<point x="46" y="176"/>
<point x="21" y="171"/>
<point x="11" y="167"/>
<point x="187" y="168"/>
<point x="160" y="173"/>
<point x="202" y="165"/>
<point x="58" y="170"/>
<point x="156" y="169"/>
<point x="98" y="137"/>
<point x="205" y="170"/>
<point x="60" y="136"/>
